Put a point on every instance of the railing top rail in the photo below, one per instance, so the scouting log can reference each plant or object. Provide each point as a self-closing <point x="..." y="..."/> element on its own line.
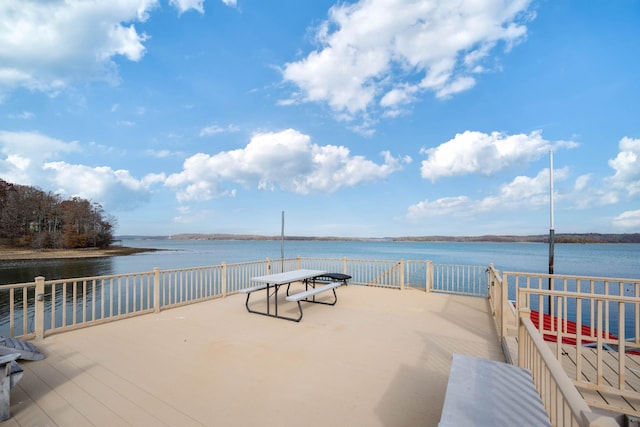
<point x="573" y="399"/>
<point x="206" y="267"/>
<point x="571" y="276"/>
<point x="121" y="275"/>
<point x="16" y="286"/>
<point x="89" y="279"/>
<point x="580" y="295"/>
<point x="347" y="259"/>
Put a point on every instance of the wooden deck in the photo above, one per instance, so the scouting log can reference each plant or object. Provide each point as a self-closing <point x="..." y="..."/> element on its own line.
<point x="378" y="358"/>
<point x="626" y="404"/>
<point x="597" y="400"/>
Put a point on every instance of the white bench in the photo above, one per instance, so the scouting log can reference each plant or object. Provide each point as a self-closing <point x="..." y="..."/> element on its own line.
<point x="304" y="296"/>
<point x="254" y="288"/>
<point x="300" y="296"/>
<point x="483" y="392"/>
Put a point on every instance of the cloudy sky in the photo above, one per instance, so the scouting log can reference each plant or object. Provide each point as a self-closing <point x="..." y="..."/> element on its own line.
<point x="365" y="118"/>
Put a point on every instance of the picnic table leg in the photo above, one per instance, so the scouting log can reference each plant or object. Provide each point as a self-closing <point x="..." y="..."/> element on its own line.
<point x="300" y="310"/>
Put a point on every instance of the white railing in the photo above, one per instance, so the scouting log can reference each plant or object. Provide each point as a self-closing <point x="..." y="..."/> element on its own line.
<point x="503" y="311"/>
<point x="467" y="280"/>
<point x="50" y="306"/>
<point x="534" y="291"/>
<point x="598" y="350"/>
<point x="562" y="401"/>
<point x="567" y="314"/>
<point x="58" y="305"/>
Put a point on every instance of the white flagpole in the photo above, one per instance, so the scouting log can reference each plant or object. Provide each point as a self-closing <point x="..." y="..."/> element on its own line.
<point x="551" y="226"/>
<point x="282" y="242"/>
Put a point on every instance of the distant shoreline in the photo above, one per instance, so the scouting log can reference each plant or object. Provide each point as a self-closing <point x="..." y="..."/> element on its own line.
<point x="15" y="254"/>
<point x="540" y="238"/>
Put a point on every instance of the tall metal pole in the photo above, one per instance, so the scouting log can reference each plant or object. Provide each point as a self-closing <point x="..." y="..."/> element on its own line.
<point x="282" y="243"/>
<point x="551" y="227"/>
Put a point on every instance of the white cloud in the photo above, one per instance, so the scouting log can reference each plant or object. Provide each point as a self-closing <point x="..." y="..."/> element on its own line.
<point x="197" y="5"/>
<point x="113" y="189"/>
<point x="162" y="154"/>
<point x="440" y="207"/>
<point x="476" y="152"/>
<point x="628" y="220"/>
<point x="627" y="166"/>
<point x="46" y="45"/>
<point x="185" y="5"/>
<point x="215" y="129"/>
<point x="23" y="153"/>
<point x="25" y="115"/>
<point x="385" y="52"/>
<point x="522" y="191"/>
<point x="285" y="160"/>
<point x="30" y="158"/>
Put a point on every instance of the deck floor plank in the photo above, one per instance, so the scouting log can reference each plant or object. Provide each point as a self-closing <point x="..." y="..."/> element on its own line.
<point x="117" y="393"/>
<point x="46" y="405"/>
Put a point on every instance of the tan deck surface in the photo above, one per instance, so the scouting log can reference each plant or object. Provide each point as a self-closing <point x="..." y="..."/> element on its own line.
<point x="378" y="358"/>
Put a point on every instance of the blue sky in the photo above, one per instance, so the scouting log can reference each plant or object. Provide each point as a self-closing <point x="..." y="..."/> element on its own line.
<point x="368" y="118"/>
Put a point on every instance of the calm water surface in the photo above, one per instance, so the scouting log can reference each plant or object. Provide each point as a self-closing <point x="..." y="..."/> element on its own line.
<point x="604" y="260"/>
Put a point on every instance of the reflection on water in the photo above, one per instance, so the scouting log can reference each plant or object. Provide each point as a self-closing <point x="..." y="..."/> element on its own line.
<point x="23" y="271"/>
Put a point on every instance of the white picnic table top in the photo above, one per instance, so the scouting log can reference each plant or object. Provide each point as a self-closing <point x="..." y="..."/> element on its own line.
<point x="288" y="276"/>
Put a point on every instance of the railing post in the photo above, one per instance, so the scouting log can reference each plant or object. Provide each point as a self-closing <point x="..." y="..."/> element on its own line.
<point x="156" y="290"/>
<point x="39" y="308"/>
<point x="492" y="287"/>
<point x="401" y="274"/>
<point x="522" y="339"/>
<point x="504" y="300"/>
<point x="268" y="265"/>
<point x="344" y="265"/>
<point x="224" y="279"/>
<point x="429" y="278"/>
<point x="299" y="262"/>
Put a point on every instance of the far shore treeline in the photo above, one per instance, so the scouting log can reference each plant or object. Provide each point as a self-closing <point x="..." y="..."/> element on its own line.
<point x="541" y="238"/>
<point x="32" y="218"/>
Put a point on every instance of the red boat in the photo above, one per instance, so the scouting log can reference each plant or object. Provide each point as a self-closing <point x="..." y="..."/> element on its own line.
<point x="550" y="323"/>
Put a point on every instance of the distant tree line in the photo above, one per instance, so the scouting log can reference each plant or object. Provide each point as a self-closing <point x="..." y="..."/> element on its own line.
<point x="30" y="217"/>
<point x="540" y="238"/>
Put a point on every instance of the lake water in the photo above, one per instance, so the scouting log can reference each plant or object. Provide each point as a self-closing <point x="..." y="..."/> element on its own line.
<point x="618" y="261"/>
<point x="603" y="260"/>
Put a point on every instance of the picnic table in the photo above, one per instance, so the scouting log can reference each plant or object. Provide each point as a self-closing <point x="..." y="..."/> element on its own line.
<point x="315" y="282"/>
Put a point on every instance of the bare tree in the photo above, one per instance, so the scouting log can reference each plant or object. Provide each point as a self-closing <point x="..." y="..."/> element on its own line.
<point x="31" y="217"/>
